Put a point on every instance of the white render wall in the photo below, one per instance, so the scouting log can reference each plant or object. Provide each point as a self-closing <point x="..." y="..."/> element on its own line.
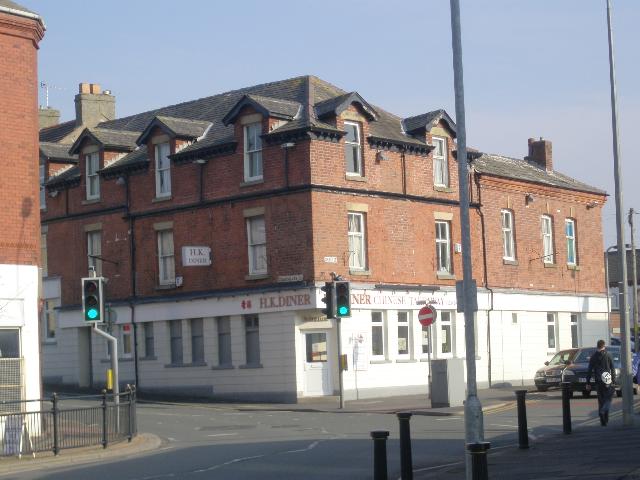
<point x="19" y="309"/>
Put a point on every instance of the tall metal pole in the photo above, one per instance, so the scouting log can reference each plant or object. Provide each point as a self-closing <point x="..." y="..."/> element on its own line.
<point x="474" y="429"/>
<point x="626" y="381"/>
<point x="340" y="371"/>
<point x="635" y="277"/>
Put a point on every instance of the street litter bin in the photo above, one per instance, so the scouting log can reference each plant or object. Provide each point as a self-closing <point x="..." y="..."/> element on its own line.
<point x="447" y="383"/>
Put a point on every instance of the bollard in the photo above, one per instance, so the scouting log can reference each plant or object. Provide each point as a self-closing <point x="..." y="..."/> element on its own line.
<point x="54" y="413"/>
<point x="105" y="436"/>
<point x="478" y="451"/>
<point x="566" y="407"/>
<point x="379" y="454"/>
<point x="406" y="462"/>
<point x="523" y="431"/>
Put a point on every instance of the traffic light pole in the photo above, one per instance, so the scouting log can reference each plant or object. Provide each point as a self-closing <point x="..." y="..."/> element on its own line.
<point x="114" y="366"/>
<point x="340" y="372"/>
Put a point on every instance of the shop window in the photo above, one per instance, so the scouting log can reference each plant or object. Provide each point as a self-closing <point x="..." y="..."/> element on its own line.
<point x="197" y="341"/>
<point x="316" y="347"/>
<point x="446" y="332"/>
<point x="49" y="318"/>
<point x="404" y="340"/>
<point x="127" y="340"/>
<point x="149" y="342"/>
<point x="175" y="339"/>
<point x="252" y="339"/>
<point x="574" y="330"/>
<point x="377" y="336"/>
<point x="224" y="341"/>
<point x="552" y="332"/>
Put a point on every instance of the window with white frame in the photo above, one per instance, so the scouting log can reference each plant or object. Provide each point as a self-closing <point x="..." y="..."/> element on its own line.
<point x="574" y="330"/>
<point x="443" y="246"/>
<point x="197" y="340"/>
<point x="570" y="234"/>
<point x="163" y="170"/>
<point x="94" y="250"/>
<point x="440" y="165"/>
<point x="377" y="336"/>
<point x="43" y="196"/>
<point x="43" y="254"/>
<point x="49" y="318"/>
<point x="552" y="332"/>
<point x="92" y="162"/>
<point x="166" y="261"/>
<point x="547" y="239"/>
<point x="149" y="342"/>
<point x="224" y="341"/>
<point x="257" y="242"/>
<point x="253" y="152"/>
<point x="446" y="331"/>
<point x="404" y="330"/>
<point x="126" y="339"/>
<point x="353" y="148"/>
<point x="508" y="244"/>
<point x="426" y="344"/>
<point x="175" y="341"/>
<point x="252" y="339"/>
<point x="357" y="241"/>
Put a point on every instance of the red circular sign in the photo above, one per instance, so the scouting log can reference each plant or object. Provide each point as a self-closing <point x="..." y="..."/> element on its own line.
<point x="427" y="315"/>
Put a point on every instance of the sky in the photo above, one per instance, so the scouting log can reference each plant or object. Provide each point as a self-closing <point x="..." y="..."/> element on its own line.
<point x="532" y="68"/>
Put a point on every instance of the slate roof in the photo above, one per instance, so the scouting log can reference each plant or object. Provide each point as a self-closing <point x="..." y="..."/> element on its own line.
<point x="56" y="133"/>
<point x="57" y="151"/>
<point x="138" y="158"/>
<point x="427" y="121"/>
<point x="111" y="139"/>
<point x="62" y="177"/>
<point x="180" y="127"/>
<point x="337" y="105"/>
<point x="268" y="106"/>
<point x="517" y="169"/>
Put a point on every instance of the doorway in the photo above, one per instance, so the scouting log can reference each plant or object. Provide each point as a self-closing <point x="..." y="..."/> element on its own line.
<point x="317" y="378"/>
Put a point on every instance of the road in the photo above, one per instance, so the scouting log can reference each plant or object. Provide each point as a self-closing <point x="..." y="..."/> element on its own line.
<point x="205" y="441"/>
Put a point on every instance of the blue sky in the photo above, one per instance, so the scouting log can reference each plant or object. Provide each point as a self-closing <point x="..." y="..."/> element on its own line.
<point x="532" y="68"/>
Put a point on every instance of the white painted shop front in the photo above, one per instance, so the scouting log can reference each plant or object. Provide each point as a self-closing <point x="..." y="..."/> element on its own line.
<point x="277" y="345"/>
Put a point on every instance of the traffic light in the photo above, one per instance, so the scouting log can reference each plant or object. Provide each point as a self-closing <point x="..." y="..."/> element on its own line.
<point x="93" y="299"/>
<point x="343" y="299"/>
<point x="329" y="299"/>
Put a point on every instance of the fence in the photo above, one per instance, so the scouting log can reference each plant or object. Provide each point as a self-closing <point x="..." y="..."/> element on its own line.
<point x="58" y="423"/>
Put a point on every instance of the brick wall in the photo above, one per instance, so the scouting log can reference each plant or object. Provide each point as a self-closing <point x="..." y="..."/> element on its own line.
<point x="19" y="176"/>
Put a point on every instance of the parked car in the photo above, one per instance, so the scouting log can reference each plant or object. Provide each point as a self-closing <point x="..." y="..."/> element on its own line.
<point x="615" y="342"/>
<point x="551" y="374"/>
<point x="576" y="372"/>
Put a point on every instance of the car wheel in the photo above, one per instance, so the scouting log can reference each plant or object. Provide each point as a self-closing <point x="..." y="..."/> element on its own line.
<point x="618" y="393"/>
<point x="542" y="389"/>
<point x="586" y="393"/>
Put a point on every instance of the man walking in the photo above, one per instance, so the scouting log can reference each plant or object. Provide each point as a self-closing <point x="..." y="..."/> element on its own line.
<point x="601" y="365"/>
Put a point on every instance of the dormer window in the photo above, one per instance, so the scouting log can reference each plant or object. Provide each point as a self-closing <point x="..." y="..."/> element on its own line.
<point x="252" y="152"/>
<point x="352" y="148"/>
<point x="93" y="180"/>
<point x="163" y="170"/>
<point x="440" y="164"/>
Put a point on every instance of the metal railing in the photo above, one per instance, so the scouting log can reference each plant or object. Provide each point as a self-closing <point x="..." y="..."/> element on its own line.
<point x="58" y="423"/>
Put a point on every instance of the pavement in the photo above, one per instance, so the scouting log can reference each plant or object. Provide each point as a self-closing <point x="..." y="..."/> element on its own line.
<point x="591" y="451"/>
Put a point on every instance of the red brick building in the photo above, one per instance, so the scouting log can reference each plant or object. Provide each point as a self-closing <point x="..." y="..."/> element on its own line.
<point x="20" y="33"/>
<point x="217" y="220"/>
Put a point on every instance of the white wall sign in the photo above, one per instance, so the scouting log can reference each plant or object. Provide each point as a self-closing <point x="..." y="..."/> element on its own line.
<point x="330" y="259"/>
<point x="196" y="256"/>
<point x="11" y="312"/>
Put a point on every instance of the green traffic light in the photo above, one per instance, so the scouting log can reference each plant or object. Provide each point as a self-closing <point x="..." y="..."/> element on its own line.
<point x="92" y="313"/>
<point x="343" y="310"/>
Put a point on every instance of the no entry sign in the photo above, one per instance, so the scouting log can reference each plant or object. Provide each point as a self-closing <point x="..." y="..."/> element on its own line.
<point x="427" y="315"/>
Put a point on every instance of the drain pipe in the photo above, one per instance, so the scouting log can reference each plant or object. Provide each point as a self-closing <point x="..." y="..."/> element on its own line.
<point x="132" y="250"/>
<point x="486" y="274"/>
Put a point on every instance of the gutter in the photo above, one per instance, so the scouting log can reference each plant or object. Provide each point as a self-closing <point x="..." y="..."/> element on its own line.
<point x="22" y="13"/>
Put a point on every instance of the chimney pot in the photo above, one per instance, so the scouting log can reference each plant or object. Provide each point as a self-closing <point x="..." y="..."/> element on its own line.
<point x="84" y="88"/>
<point x="95" y="88"/>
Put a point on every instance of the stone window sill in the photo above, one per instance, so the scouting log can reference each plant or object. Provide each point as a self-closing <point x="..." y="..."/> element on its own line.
<point x="440" y="188"/>
<point x="166" y="287"/>
<point x="506" y="261"/>
<point x="445" y="276"/>
<point x="379" y="362"/>
<point x="573" y="267"/>
<point x="550" y="265"/>
<point x="257" y="276"/>
<point x="90" y="201"/>
<point x="362" y="273"/>
<point x="406" y="360"/>
<point x="161" y="199"/>
<point x="185" y="365"/>
<point x="222" y="367"/>
<point x="147" y="359"/>
<point x="355" y="177"/>
<point x="120" y="360"/>
<point x="248" y="183"/>
<point x="250" y="366"/>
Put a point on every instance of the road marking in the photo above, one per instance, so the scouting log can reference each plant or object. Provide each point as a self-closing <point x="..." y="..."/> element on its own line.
<point x="311" y="446"/>
<point x="501" y="425"/>
<point x="222" y="434"/>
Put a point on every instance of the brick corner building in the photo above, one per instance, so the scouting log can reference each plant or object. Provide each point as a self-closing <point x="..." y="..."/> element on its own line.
<point x="20" y="32"/>
<point x="217" y="221"/>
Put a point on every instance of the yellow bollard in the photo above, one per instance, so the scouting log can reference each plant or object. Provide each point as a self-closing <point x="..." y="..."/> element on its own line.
<point x="109" y="379"/>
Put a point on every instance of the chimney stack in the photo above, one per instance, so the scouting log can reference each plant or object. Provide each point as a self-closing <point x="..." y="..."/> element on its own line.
<point x="93" y="106"/>
<point x="540" y="153"/>
<point x="48" y="117"/>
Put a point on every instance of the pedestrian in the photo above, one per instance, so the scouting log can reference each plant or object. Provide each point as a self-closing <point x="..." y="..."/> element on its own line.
<point x="601" y="366"/>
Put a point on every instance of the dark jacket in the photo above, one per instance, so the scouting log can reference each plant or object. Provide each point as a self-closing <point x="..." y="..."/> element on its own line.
<point x="600" y="362"/>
